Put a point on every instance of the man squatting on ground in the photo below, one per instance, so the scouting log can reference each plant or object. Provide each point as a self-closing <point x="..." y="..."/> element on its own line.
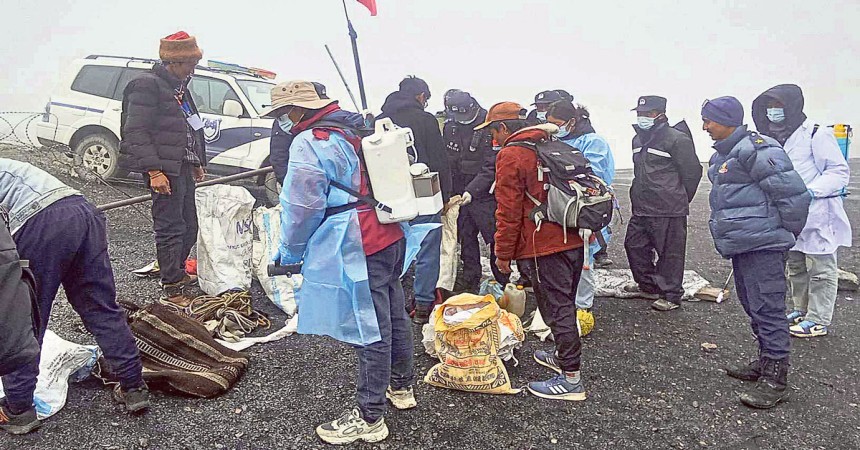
<point x="812" y="271"/>
<point x="162" y="137"/>
<point x="666" y="175"/>
<point x="759" y="206"/>
<point x="553" y="266"/>
<point x="65" y="239"/>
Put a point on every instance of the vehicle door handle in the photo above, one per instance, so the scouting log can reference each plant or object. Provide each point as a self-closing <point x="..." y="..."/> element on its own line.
<point x="117" y="109"/>
<point x="258" y="134"/>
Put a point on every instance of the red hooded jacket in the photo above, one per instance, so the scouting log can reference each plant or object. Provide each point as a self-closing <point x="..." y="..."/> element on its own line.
<point x="516" y="173"/>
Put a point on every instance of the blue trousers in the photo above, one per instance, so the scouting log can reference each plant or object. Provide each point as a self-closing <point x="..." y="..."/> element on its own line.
<point x="760" y="285"/>
<point x="427" y="261"/>
<point x="388" y="361"/>
<point x="66" y="245"/>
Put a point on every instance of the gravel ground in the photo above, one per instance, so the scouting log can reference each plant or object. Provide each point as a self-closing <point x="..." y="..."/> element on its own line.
<point x="650" y="384"/>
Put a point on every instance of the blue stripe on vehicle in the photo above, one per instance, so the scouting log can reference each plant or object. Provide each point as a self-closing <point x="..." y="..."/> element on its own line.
<point x="234" y="137"/>
<point x="82" y="108"/>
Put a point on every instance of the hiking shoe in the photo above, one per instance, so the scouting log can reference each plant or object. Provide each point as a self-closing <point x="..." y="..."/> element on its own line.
<point x="664" y="305"/>
<point x="350" y="427"/>
<point x="402" y="398"/>
<point x="557" y="388"/>
<point x="772" y="388"/>
<point x="547" y="360"/>
<point x="807" y="328"/>
<point x="174" y="295"/>
<point x="135" y="400"/>
<point x="18" y="423"/>
<point x="749" y="372"/>
<point x="634" y="288"/>
<point x="795" y="317"/>
<point x="602" y="261"/>
<point x="422" y="314"/>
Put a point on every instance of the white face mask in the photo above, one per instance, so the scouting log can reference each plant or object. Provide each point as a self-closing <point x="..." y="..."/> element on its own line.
<point x="645" y="123"/>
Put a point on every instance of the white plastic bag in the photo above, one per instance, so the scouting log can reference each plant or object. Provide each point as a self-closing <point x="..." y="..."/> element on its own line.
<point x="280" y="290"/>
<point x="224" y="238"/>
<point x="449" y="256"/>
<point x="60" y="359"/>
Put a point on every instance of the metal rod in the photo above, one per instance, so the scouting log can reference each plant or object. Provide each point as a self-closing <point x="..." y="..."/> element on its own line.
<point x="354" y="37"/>
<point x="345" y="84"/>
<point x="212" y="182"/>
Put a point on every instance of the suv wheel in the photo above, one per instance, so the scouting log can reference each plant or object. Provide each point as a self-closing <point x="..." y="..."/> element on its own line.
<point x="100" y="154"/>
<point x="273" y="189"/>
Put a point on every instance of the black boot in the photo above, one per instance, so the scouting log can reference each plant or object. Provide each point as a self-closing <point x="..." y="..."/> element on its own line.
<point x="422" y="313"/>
<point x="772" y="387"/>
<point x="749" y="372"/>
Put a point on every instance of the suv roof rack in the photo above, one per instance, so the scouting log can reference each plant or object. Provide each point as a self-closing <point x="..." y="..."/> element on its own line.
<point x="155" y="61"/>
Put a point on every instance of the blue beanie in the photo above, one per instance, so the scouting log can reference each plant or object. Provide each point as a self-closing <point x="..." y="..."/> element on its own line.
<point x="726" y="111"/>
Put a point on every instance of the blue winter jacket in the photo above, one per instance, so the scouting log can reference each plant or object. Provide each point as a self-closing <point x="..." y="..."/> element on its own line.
<point x="758" y="202"/>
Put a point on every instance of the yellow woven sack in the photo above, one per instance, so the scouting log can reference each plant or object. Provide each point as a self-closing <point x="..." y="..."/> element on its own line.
<point x="468" y="351"/>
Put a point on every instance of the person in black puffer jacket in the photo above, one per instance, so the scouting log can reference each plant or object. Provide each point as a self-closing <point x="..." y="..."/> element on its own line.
<point x="162" y="137"/>
<point x="473" y="171"/>
<point x="759" y="206"/>
<point x="666" y="175"/>
<point x="405" y="108"/>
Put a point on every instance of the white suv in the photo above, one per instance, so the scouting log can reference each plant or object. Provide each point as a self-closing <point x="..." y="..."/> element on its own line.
<point x="84" y="114"/>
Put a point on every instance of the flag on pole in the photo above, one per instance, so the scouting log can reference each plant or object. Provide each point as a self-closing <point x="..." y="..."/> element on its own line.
<point x="370" y="5"/>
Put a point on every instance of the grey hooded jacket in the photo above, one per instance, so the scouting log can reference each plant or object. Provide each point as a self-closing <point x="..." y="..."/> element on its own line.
<point x="25" y="190"/>
<point x="758" y="202"/>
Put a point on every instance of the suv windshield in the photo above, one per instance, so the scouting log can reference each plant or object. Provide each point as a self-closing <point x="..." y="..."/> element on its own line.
<point x="258" y="92"/>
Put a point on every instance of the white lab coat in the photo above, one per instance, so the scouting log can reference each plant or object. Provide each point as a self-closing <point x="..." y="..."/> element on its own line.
<point x="820" y="163"/>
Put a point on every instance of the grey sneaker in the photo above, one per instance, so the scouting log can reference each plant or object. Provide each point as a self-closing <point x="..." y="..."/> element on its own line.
<point x="23" y="423"/>
<point x="633" y="288"/>
<point x="350" y="427"/>
<point x="402" y="398"/>
<point x="664" y="305"/>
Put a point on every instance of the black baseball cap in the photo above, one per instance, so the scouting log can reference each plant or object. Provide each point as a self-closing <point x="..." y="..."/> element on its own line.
<point x="547" y="97"/>
<point x="650" y="103"/>
<point x="565" y="95"/>
<point x="460" y="105"/>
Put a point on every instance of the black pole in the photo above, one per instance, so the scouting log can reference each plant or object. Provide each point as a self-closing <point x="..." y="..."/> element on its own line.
<point x="354" y="37"/>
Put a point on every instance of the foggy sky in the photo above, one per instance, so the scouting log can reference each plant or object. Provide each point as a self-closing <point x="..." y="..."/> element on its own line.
<point x="605" y="53"/>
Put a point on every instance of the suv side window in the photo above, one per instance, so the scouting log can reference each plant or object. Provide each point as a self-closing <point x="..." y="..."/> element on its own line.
<point x="97" y="80"/>
<point x="125" y="77"/>
<point x="210" y="94"/>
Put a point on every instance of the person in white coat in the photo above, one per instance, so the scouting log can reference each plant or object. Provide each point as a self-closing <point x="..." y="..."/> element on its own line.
<point x="812" y="269"/>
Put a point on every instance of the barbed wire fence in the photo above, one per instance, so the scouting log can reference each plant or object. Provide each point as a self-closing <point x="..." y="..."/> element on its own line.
<point x="16" y="131"/>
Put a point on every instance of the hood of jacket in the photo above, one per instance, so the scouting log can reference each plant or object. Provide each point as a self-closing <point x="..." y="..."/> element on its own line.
<point x="398" y="101"/>
<point x="789" y="95"/>
<point x="535" y="133"/>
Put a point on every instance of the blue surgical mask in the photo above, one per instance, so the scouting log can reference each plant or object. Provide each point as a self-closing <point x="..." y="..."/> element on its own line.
<point x="776" y="115"/>
<point x="563" y="132"/>
<point x="644" y="122"/>
<point x="497" y="148"/>
<point x="285" y="123"/>
<point x="541" y="115"/>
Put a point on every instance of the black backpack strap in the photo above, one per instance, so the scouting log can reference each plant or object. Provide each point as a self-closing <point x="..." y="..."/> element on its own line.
<point x="366" y="199"/>
<point x="814" y="130"/>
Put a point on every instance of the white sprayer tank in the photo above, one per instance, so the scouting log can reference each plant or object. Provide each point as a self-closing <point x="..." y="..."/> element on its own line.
<point x="387" y="161"/>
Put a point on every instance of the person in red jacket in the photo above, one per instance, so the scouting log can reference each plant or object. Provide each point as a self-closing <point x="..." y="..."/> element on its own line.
<point x="552" y="265"/>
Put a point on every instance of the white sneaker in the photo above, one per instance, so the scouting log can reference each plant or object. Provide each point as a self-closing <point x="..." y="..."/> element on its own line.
<point x="401" y="399"/>
<point x="350" y="427"/>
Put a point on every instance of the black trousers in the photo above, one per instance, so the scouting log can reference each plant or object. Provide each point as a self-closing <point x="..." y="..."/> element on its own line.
<point x="760" y="283"/>
<point x="555" y="279"/>
<point x="174" y="220"/>
<point x="478" y="218"/>
<point x="667" y="236"/>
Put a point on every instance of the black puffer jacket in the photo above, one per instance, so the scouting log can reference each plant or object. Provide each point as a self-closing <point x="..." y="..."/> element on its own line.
<point x="405" y="111"/>
<point x="466" y="150"/>
<point x="666" y="171"/>
<point x="153" y="126"/>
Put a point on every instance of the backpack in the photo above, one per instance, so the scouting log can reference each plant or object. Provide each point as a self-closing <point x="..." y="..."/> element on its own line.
<point x="19" y="311"/>
<point x="576" y="197"/>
